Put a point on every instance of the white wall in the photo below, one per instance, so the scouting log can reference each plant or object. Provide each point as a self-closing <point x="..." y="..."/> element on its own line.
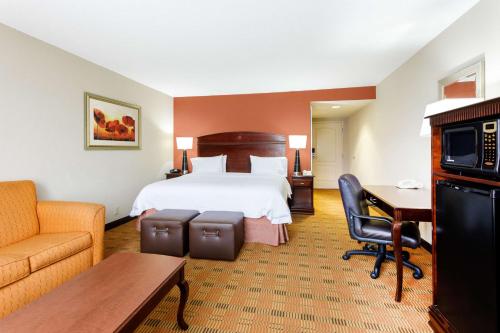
<point x="383" y="139"/>
<point x="41" y="126"/>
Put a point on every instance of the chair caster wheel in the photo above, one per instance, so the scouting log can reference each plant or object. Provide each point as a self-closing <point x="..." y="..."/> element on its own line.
<point x="418" y="275"/>
<point x="374" y="275"/>
<point x="346" y="257"/>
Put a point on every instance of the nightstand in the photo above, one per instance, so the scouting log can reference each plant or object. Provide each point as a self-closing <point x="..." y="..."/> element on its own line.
<point x="173" y="175"/>
<point x="302" y="197"/>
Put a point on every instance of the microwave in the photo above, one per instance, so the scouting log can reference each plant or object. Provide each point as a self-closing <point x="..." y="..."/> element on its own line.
<point x="471" y="147"/>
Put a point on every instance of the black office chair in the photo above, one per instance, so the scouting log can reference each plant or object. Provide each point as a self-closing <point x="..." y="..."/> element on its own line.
<point x="374" y="229"/>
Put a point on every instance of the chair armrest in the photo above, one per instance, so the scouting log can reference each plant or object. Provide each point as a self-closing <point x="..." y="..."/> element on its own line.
<point x="369" y="217"/>
<point x="60" y="216"/>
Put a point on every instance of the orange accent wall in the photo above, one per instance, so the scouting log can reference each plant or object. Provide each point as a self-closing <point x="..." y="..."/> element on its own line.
<point x="281" y="113"/>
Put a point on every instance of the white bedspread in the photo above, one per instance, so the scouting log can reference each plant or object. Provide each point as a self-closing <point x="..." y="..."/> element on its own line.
<point x="254" y="195"/>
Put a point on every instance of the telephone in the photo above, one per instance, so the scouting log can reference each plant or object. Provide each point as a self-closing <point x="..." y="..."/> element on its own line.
<point x="409" y="184"/>
<point x="175" y="171"/>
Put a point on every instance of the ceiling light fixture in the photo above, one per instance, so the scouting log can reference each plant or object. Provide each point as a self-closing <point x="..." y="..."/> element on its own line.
<point x="335" y="106"/>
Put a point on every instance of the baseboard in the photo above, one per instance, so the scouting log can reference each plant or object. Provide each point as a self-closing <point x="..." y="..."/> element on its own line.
<point x="117" y="223"/>
<point x="426" y="245"/>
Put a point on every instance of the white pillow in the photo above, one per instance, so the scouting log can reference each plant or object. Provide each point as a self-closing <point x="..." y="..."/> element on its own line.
<point x="269" y="165"/>
<point x="207" y="164"/>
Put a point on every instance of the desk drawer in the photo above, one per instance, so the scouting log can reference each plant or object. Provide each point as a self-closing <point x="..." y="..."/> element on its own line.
<point x="381" y="205"/>
<point x="372" y="199"/>
<point x="302" y="182"/>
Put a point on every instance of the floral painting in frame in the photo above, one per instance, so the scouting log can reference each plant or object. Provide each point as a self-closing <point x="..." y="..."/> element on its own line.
<point x="111" y="124"/>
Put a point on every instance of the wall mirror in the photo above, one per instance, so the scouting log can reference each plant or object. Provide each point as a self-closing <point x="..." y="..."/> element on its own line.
<point x="467" y="82"/>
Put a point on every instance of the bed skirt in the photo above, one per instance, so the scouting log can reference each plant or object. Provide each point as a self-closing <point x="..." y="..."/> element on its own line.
<point x="262" y="231"/>
<point x="259" y="230"/>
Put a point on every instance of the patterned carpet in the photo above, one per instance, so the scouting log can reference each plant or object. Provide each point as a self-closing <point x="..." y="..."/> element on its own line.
<point x="303" y="286"/>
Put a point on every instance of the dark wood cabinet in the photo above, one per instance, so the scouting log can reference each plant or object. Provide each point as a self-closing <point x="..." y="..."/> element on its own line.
<point x="302" y="198"/>
<point x="173" y="175"/>
<point x="462" y="268"/>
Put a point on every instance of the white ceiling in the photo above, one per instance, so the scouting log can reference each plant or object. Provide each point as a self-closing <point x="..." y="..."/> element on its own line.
<point x="205" y="47"/>
<point x="341" y="110"/>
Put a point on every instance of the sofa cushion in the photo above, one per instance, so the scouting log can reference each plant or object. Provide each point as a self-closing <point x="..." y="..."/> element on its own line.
<point x="18" y="219"/>
<point x="45" y="249"/>
<point x="13" y="268"/>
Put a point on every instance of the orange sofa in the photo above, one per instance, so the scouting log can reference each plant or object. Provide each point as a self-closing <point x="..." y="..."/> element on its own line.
<point x="43" y="243"/>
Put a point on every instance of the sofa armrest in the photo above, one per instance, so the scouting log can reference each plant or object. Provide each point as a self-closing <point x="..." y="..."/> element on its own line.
<point x="60" y="216"/>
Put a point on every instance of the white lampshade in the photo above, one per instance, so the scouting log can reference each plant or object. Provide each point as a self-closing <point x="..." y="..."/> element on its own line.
<point x="184" y="142"/>
<point x="297" y="141"/>
<point x="443" y="106"/>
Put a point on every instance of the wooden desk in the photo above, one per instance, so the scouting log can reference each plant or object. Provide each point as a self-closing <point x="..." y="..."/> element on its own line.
<point x="113" y="296"/>
<point x="401" y="205"/>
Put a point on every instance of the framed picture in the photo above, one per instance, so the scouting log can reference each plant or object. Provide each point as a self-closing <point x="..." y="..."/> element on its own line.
<point x="111" y="124"/>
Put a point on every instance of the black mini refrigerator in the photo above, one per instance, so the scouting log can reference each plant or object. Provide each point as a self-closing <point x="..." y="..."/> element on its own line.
<point x="466" y="217"/>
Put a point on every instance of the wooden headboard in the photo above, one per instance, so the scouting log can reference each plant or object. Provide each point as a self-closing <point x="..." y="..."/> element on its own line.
<point x="238" y="146"/>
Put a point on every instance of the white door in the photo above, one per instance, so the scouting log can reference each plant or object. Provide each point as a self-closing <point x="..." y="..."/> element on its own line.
<point x="327" y="157"/>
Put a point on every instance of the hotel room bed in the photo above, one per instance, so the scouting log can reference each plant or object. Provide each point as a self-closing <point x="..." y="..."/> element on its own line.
<point x="261" y="198"/>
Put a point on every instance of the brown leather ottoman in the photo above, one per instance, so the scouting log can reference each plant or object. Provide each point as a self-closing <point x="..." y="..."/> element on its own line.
<point x="216" y="235"/>
<point x="166" y="232"/>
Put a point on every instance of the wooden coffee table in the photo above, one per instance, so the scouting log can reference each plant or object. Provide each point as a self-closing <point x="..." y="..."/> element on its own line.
<point x="113" y="296"/>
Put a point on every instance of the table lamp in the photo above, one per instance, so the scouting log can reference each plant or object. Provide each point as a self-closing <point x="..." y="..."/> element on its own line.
<point x="297" y="142"/>
<point x="184" y="143"/>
